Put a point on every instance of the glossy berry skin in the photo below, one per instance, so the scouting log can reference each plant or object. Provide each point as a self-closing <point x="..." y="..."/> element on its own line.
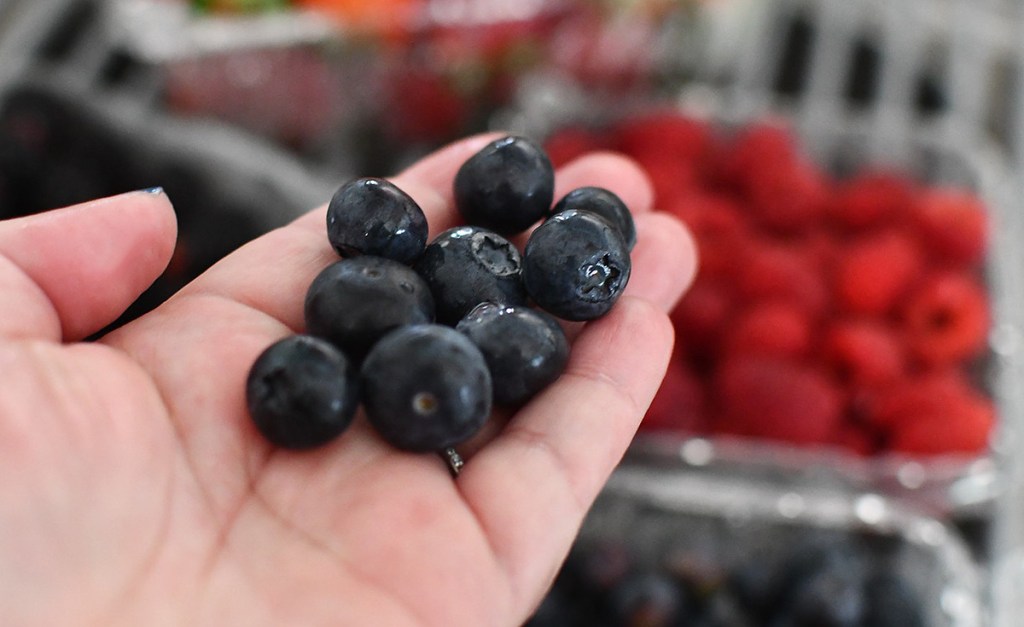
<point x="302" y="392"/>
<point x="605" y="204"/>
<point x="505" y="187"/>
<point x="469" y="265"/>
<point x="525" y="349"/>
<point x="575" y="265"/>
<point x="426" y="387"/>
<point x="356" y="301"/>
<point x="372" y="216"/>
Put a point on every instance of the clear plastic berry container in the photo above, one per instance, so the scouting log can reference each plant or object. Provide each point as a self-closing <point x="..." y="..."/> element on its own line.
<point x="845" y="145"/>
<point x="724" y="540"/>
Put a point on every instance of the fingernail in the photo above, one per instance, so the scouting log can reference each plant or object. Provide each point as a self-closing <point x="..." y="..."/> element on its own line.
<point x="153" y="190"/>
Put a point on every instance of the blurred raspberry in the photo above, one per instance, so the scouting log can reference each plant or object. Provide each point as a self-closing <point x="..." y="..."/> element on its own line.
<point x="946" y="319"/>
<point x="772" y="329"/>
<point x="787" y="196"/>
<point x="426" y="106"/>
<point x="679" y="404"/>
<point x="759" y="146"/>
<point x="664" y="136"/>
<point x="776" y="271"/>
<point x="863" y="353"/>
<point x="857" y="439"/>
<point x="953" y="225"/>
<point x="718" y="227"/>
<point x="571" y="142"/>
<point x="934" y="413"/>
<point x="778" y="399"/>
<point x="870" y="199"/>
<point x="702" y="314"/>
<point x="670" y="178"/>
<point x="875" y="271"/>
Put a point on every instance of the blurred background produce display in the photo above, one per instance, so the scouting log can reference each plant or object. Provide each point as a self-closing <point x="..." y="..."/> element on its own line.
<point x="851" y="171"/>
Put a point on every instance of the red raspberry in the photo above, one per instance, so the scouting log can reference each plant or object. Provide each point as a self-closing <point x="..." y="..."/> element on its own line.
<point x="679" y="403"/>
<point x="787" y="196"/>
<point x="777" y="399"/>
<point x="772" y="328"/>
<point x="946" y="319"/>
<point x="914" y="394"/>
<point x="774" y="271"/>
<point x="718" y="227"/>
<point x="664" y="135"/>
<point x="670" y="178"/>
<point x="571" y="142"/>
<point x="934" y="413"/>
<point x="870" y="199"/>
<point x="953" y="225"/>
<point x="857" y="439"/>
<point x="762" y="145"/>
<point x="875" y="271"/>
<point x="702" y="314"/>
<point x="863" y="353"/>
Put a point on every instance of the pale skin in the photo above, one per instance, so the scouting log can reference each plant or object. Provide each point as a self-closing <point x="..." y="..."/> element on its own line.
<point x="135" y="491"/>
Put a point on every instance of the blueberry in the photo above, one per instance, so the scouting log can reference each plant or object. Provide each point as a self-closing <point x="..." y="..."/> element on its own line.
<point x="575" y="265"/>
<point x="469" y="265"/>
<point x="890" y="602"/>
<point x="822" y="586"/>
<point x="506" y="187"/>
<point x="650" y="598"/>
<point x="426" y="387"/>
<point x="525" y="349"/>
<point x="371" y="216"/>
<point x="605" y="204"/>
<point x="356" y="301"/>
<point x="301" y="392"/>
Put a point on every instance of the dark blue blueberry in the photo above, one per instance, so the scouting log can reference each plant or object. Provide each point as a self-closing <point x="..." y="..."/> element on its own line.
<point x="506" y="187"/>
<point x="371" y="216"/>
<point x="822" y="586"/>
<point x="469" y="265"/>
<point x="649" y="598"/>
<point x="605" y="204"/>
<point x="890" y="602"/>
<point x="426" y="387"/>
<point x="356" y="301"/>
<point x="525" y="349"/>
<point x="575" y="265"/>
<point x="301" y="392"/>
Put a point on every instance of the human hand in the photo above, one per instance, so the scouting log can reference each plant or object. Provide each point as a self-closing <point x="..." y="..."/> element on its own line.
<point x="135" y="490"/>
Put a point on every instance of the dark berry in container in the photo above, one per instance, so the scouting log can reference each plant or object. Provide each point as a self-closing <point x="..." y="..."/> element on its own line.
<point x="506" y="187"/>
<point x="525" y="349"/>
<point x="469" y="265"/>
<point x="605" y="204"/>
<point x="575" y="265"/>
<point x="372" y="216"/>
<point x="426" y="387"/>
<point x="302" y="392"/>
<point x="356" y="301"/>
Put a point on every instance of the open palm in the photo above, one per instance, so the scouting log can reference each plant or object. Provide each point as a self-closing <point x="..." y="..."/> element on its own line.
<point x="134" y="490"/>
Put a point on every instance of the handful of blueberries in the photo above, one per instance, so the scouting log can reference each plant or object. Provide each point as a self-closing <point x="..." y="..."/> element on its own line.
<point x="428" y="337"/>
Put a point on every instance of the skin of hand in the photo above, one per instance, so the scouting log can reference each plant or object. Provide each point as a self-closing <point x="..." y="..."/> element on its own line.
<point x="135" y="490"/>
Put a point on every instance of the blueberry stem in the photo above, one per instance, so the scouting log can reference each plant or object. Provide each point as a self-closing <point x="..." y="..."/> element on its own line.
<point x="455" y="461"/>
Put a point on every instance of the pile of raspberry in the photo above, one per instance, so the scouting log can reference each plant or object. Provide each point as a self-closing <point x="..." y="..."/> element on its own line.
<point x="826" y="311"/>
